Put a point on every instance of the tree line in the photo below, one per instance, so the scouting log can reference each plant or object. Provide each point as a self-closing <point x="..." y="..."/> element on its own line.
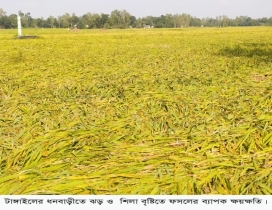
<point x="123" y="19"/>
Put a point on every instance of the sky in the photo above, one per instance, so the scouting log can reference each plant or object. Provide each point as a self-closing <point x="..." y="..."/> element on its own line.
<point x="141" y="8"/>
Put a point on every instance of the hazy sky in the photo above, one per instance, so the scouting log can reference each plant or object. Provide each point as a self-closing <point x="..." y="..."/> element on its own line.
<point x="141" y="8"/>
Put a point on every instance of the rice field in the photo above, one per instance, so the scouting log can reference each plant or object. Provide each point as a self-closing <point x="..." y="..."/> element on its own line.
<point x="159" y="111"/>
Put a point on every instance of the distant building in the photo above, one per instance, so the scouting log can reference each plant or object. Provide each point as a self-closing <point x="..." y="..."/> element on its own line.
<point x="147" y="26"/>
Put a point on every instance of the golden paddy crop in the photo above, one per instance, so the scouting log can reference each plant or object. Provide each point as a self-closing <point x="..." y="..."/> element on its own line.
<point x="160" y="111"/>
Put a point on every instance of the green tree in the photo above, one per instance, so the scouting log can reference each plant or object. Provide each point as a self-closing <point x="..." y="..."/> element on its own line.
<point x="159" y="22"/>
<point x="50" y="22"/>
<point x="3" y="18"/>
<point x="139" y="23"/>
<point x="168" y="21"/>
<point x="132" y="21"/>
<point x="225" y="21"/>
<point x="97" y="21"/>
<point x="120" y="19"/>
<point x="2" y="12"/>
<point x="66" y="20"/>
<point x="74" y="20"/>
<point x="105" y="20"/>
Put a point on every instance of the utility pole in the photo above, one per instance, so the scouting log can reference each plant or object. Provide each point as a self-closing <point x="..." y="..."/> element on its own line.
<point x="19" y="25"/>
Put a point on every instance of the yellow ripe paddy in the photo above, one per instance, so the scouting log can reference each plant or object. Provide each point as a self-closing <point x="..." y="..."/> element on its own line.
<point x="159" y="111"/>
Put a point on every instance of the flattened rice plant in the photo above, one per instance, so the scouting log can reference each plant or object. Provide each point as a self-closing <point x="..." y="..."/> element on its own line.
<point x="185" y="111"/>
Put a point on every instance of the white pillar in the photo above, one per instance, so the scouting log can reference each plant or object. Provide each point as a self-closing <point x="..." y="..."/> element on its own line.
<point x="19" y="25"/>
